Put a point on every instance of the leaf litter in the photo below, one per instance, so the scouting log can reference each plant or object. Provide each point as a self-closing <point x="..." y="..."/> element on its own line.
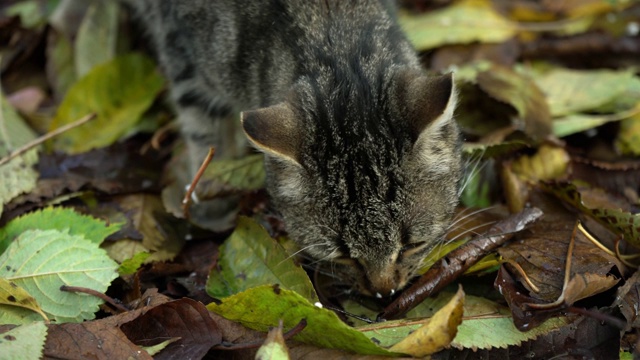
<point x="549" y="123"/>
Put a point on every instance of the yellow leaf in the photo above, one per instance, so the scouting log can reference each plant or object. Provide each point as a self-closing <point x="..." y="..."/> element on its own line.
<point x="437" y="333"/>
<point x="12" y="294"/>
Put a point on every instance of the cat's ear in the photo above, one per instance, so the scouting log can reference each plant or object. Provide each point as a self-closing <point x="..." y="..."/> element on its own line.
<point x="274" y="130"/>
<point x="431" y="101"/>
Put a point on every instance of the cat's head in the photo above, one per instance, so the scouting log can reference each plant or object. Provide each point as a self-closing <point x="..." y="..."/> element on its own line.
<point x="365" y="172"/>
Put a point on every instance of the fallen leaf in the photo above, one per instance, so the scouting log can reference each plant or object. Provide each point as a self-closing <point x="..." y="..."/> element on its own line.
<point x="250" y="257"/>
<point x="264" y="306"/>
<point x="185" y="319"/>
<point x="437" y="333"/>
<point x="461" y="23"/>
<point x="23" y="342"/>
<point x="97" y="37"/>
<point x="11" y="294"/>
<point x="137" y="83"/>
<point x="274" y="346"/>
<point x="40" y="261"/>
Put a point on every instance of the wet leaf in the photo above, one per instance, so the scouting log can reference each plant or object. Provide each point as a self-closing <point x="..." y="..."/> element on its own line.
<point x="40" y="261"/>
<point x="118" y="92"/>
<point x="461" y="23"/>
<point x="249" y="258"/>
<point x="262" y="307"/>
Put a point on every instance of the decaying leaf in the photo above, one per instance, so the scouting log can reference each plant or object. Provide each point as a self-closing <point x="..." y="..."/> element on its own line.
<point x="11" y="294"/>
<point x="185" y="319"/>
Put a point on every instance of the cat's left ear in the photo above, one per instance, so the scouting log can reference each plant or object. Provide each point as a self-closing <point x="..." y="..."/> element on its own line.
<point x="431" y="101"/>
<point x="273" y="130"/>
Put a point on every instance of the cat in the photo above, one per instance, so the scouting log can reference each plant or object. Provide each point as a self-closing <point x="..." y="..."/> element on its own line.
<point x="362" y="153"/>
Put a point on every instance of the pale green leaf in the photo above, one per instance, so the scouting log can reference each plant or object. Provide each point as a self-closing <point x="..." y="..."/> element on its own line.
<point x="575" y="123"/>
<point x="274" y="347"/>
<point x="119" y="92"/>
<point x="58" y="218"/>
<point x="60" y="64"/>
<point x="17" y="176"/>
<point x="485" y="325"/>
<point x="463" y="22"/>
<point x="571" y="91"/>
<point x="249" y="258"/>
<point x="263" y="307"/>
<point x="229" y="176"/>
<point x="40" y="261"/>
<point x="498" y="331"/>
<point x="25" y="342"/>
<point x="97" y="36"/>
<point x="155" y="349"/>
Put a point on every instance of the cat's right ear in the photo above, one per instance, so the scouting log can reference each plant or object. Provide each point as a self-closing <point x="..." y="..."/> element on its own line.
<point x="273" y="130"/>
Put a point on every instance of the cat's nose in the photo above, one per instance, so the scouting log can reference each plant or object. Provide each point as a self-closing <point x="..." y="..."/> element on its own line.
<point x="380" y="296"/>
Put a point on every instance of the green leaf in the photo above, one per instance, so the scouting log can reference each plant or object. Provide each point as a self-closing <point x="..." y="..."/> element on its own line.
<point x="130" y="266"/>
<point x="97" y="36"/>
<point x="263" y="307"/>
<point x="61" y="219"/>
<point x="40" y="261"/>
<point x="24" y="342"/>
<point x="231" y="176"/>
<point x="119" y="92"/>
<point x="463" y="22"/>
<point x="571" y="91"/>
<point x="249" y="258"/>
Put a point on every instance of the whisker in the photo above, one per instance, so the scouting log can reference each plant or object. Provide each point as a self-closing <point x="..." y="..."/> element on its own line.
<point x="470" y="231"/>
<point x="459" y="218"/>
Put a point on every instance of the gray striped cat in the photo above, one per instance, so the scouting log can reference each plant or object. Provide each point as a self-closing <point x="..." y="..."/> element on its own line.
<point x="361" y="151"/>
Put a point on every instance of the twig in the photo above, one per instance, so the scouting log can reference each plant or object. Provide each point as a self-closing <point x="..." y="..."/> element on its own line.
<point x="186" y="202"/>
<point x="567" y="275"/>
<point x="524" y="275"/>
<point x="95" y="293"/>
<point x="30" y="145"/>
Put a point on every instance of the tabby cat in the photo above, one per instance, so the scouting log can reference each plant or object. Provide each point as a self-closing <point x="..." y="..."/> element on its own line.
<point x="361" y="152"/>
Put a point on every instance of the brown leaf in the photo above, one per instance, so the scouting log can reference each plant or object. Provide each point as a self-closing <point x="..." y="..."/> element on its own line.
<point x="186" y="319"/>
<point x="627" y="299"/>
